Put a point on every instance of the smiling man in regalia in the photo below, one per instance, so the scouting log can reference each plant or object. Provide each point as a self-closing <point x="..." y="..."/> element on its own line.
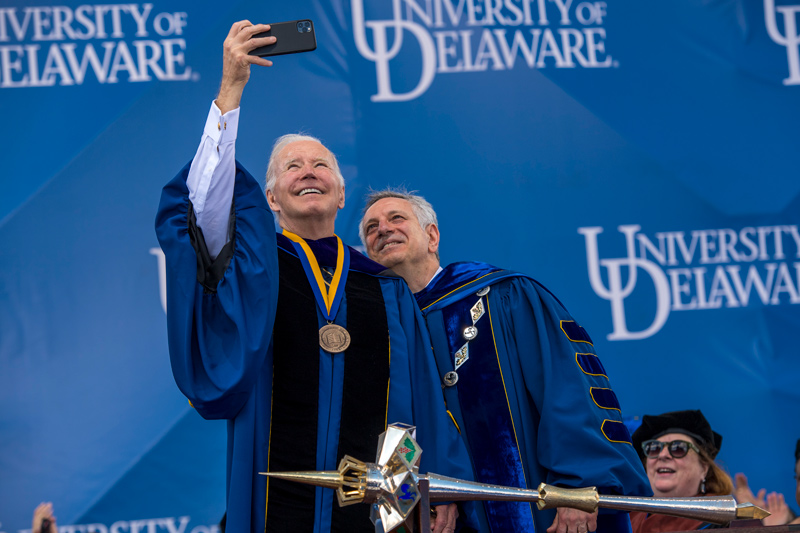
<point x="304" y="345"/>
<point x="521" y="377"/>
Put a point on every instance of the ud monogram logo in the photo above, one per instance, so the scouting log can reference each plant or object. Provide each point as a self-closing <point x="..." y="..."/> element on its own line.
<point x="696" y="270"/>
<point x="789" y="38"/>
<point x="616" y="292"/>
<point x="382" y="53"/>
<point x="457" y="36"/>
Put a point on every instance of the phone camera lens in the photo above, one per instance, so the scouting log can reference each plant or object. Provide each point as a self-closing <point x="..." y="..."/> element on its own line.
<point x="304" y="26"/>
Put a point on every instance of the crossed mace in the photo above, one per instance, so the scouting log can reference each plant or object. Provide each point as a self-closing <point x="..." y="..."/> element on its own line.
<point x="394" y="486"/>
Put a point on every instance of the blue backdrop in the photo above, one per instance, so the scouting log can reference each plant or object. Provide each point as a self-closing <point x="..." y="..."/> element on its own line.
<point x="639" y="160"/>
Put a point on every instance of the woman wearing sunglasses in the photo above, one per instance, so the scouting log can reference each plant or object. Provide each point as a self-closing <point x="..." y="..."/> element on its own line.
<point x="678" y="451"/>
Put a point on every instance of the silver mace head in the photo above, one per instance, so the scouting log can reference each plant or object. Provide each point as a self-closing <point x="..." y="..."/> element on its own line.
<point x="392" y="484"/>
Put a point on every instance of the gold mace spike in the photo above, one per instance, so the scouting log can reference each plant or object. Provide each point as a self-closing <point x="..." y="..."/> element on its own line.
<point x="330" y="479"/>
<point x="748" y="510"/>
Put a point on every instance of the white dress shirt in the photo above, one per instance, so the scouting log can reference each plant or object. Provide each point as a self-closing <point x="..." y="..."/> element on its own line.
<point x="211" y="177"/>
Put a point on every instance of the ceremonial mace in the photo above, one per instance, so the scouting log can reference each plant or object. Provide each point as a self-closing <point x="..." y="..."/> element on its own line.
<point x="394" y="486"/>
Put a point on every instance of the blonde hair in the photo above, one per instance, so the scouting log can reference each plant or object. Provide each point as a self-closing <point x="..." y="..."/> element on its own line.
<point x="718" y="481"/>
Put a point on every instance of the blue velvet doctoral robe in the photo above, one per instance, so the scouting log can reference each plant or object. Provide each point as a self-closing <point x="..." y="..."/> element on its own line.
<point x="230" y="333"/>
<point x="532" y="399"/>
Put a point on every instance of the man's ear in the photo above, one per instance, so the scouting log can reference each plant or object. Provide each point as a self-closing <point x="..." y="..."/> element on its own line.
<point x="272" y="203"/>
<point x="341" y="198"/>
<point x="433" y="238"/>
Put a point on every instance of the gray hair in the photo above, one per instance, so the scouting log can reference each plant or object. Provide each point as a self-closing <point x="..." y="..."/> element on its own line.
<point x="422" y="208"/>
<point x="285" y="140"/>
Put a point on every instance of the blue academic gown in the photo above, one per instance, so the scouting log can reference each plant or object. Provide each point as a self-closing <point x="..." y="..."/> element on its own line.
<point x="223" y="327"/>
<point x="532" y="398"/>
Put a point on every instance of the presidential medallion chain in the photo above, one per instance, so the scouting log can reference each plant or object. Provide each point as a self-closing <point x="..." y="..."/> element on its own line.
<point x="468" y="333"/>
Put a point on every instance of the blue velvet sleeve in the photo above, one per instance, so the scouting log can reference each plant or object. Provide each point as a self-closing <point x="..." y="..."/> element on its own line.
<point x="421" y="398"/>
<point x="579" y="439"/>
<point x="219" y="312"/>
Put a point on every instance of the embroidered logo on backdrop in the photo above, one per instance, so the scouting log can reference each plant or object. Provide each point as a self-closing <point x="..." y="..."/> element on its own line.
<point x="458" y="36"/>
<point x="700" y="269"/>
<point x="790" y="38"/>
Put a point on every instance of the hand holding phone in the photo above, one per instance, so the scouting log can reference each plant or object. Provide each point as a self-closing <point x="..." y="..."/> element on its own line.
<point x="291" y="38"/>
<point x="43" y="519"/>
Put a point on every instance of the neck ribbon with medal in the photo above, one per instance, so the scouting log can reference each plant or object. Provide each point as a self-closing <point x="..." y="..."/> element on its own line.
<point x="333" y="338"/>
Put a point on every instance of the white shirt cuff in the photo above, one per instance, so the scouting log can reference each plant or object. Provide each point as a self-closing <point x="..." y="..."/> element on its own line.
<point x="222" y="128"/>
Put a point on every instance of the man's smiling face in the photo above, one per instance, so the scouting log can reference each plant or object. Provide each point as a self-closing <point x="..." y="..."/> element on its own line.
<point x="306" y="185"/>
<point x="393" y="234"/>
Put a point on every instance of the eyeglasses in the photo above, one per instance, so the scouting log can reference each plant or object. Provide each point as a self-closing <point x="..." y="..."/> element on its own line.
<point x="676" y="448"/>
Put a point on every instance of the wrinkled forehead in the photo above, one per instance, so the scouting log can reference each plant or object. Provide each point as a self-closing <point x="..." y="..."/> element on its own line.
<point x="303" y="151"/>
<point x="388" y="206"/>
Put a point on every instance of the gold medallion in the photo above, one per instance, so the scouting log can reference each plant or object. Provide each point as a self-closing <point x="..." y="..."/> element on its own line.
<point x="333" y="338"/>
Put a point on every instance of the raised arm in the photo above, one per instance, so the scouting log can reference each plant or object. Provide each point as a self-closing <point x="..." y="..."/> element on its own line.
<point x="211" y="175"/>
<point x="218" y="236"/>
